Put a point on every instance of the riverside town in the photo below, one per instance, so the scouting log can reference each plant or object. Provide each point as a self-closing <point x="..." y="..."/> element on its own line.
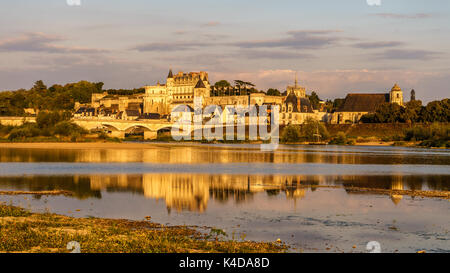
<point x="224" y="136"/>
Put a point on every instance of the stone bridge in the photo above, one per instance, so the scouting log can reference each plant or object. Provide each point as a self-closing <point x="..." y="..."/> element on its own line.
<point x="16" y="121"/>
<point x="115" y="127"/>
<point x="118" y="128"/>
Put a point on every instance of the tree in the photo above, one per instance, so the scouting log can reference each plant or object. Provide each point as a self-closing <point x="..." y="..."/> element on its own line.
<point x="48" y="119"/>
<point x="436" y="111"/>
<point x="390" y="113"/>
<point x="314" y="130"/>
<point x="315" y="100"/>
<point x="243" y="83"/>
<point x="337" y="103"/>
<point x="39" y="86"/>
<point x="291" y="133"/>
<point x="412" y="111"/>
<point x="99" y="86"/>
<point x="273" y="92"/>
<point x="222" y="84"/>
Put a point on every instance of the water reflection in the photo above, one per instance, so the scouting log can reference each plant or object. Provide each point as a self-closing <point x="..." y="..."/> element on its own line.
<point x="192" y="192"/>
<point x="208" y="153"/>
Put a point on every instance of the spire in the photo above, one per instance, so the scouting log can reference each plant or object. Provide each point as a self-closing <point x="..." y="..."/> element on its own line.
<point x="200" y="84"/>
<point x="170" y="74"/>
<point x="296" y="79"/>
<point x="413" y="95"/>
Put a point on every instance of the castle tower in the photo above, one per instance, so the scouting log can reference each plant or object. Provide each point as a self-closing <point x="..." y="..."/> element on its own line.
<point x="200" y="90"/>
<point x="413" y="95"/>
<point x="396" y="95"/>
<point x="298" y="90"/>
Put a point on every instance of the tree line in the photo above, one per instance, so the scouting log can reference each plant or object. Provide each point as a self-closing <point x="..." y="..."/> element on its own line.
<point x="54" y="98"/>
<point x="412" y="112"/>
<point x="48" y="125"/>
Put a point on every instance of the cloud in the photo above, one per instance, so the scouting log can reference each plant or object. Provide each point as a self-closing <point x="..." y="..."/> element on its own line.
<point x="404" y="16"/>
<point x="212" y="24"/>
<point x="114" y="72"/>
<point x="296" y="40"/>
<point x="268" y="54"/>
<point x="303" y="39"/>
<point x="170" y="46"/>
<point x="372" y="45"/>
<point x="41" y="42"/>
<point x="338" y="83"/>
<point x="407" y="54"/>
<point x="180" y="32"/>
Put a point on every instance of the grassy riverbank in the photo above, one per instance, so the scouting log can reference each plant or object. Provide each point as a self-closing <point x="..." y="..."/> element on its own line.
<point x="22" y="231"/>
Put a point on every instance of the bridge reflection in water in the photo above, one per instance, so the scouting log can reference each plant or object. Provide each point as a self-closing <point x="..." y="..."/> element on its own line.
<point x="192" y="192"/>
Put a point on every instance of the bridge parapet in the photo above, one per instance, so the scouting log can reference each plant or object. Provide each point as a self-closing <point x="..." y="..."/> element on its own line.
<point x="16" y="121"/>
<point x="118" y="127"/>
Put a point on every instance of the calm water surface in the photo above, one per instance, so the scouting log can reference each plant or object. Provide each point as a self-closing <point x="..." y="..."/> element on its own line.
<point x="262" y="195"/>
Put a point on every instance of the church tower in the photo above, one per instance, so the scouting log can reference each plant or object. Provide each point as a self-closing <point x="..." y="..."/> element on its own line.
<point x="396" y="95"/>
<point x="298" y="90"/>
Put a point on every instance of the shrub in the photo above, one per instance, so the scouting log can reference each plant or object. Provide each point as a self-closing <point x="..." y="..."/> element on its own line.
<point x="340" y="139"/>
<point x="49" y="119"/>
<point x="67" y="128"/>
<point x="102" y="135"/>
<point x="417" y="133"/>
<point x="351" y="142"/>
<point x="291" y="133"/>
<point x="436" y="135"/>
<point x="21" y="133"/>
<point x="4" y="130"/>
<point x="313" y="127"/>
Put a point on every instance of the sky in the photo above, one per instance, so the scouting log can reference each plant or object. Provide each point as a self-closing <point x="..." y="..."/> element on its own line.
<point x="335" y="47"/>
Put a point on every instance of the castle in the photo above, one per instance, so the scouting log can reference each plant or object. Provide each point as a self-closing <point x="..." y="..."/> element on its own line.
<point x="159" y="101"/>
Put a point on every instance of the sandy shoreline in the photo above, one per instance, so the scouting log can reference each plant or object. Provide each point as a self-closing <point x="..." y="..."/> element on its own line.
<point x="113" y="145"/>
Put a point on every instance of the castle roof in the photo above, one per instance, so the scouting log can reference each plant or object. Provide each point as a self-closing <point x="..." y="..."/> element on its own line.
<point x="292" y="98"/>
<point x="170" y="74"/>
<point x="200" y="84"/>
<point x="299" y="105"/>
<point x="363" y="102"/>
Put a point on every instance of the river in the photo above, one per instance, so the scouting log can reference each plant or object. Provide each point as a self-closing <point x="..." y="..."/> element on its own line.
<point x="299" y="194"/>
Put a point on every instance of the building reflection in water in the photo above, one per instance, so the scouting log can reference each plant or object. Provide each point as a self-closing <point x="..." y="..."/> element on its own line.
<point x="192" y="192"/>
<point x="179" y="154"/>
<point x="397" y="184"/>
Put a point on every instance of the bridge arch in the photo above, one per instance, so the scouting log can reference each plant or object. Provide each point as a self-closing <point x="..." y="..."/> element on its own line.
<point x="164" y="129"/>
<point x="110" y="127"/>
<point x="136" y="127"/>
